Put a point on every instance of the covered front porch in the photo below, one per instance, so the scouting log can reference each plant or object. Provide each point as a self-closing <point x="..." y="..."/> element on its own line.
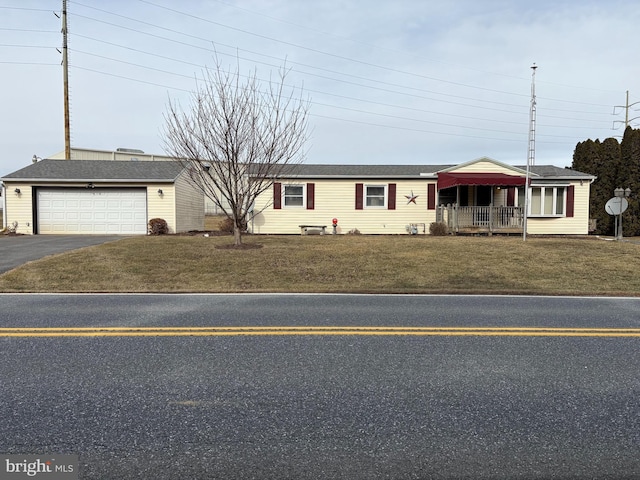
<point x="489" y="219"/>
<point x="481" y="203"/>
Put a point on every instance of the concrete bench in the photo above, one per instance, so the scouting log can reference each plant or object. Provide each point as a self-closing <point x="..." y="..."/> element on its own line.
<point x="305" y="228"/>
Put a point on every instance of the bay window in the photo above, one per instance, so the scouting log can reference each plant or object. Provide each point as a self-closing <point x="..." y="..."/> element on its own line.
<point x="548" y="201"/>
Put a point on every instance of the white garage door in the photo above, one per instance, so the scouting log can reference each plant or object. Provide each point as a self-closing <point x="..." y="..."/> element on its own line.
<point x="92" y="211"/>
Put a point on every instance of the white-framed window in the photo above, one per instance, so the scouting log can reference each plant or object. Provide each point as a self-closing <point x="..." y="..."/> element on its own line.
<point x="375" y="196"/>
<point x="548" y="201"/>
<point x="293" y="196"/>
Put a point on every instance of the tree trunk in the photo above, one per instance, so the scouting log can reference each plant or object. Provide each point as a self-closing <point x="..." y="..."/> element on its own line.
<point x="237" y="236"/>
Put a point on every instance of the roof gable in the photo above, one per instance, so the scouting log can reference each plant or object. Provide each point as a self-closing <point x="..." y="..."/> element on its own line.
<point x="485" y="165"/>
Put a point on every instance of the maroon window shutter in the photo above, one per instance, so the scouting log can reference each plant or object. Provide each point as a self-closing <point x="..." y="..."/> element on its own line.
<point x="311" y="196"/>
<point x="359" y="196"/>
<point x="570" y="195"/>
<point x="391" y="202"/>
<point x="431" y="196"/>
<point x="511" y="196"/>
<point x="277" y="195"/>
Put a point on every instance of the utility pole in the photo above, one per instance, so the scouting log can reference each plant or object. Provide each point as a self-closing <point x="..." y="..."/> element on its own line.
<point x="626" y="107"/>
<point x="531" y="155"/>
<point x="65" y="78"/>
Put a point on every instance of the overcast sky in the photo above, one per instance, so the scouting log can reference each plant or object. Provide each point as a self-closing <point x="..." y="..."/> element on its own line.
<point x="390" y="82"/>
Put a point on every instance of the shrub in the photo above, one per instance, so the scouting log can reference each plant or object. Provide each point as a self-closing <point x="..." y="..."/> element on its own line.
<point x="354" y="231"/>
<point x="11" y="229"/>
<point x="226" y="226"/>
<point x="438" y="229"/>
<point x="158" y="226"/>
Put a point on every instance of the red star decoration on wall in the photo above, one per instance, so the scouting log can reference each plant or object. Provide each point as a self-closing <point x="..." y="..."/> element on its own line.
<point x="411" y="198"/>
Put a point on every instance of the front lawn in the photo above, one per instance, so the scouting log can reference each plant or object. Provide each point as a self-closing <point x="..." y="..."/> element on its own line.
<point x="344" y="263"/>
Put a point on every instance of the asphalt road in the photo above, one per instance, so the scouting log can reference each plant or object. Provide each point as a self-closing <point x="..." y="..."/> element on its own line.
<point x="19" y="249"/>
<point x="325" y="406"/>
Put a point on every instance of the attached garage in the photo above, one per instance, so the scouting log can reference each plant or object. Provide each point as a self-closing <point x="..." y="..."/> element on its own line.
<point x="96" y="197"/>
<point x="91" y="211"/>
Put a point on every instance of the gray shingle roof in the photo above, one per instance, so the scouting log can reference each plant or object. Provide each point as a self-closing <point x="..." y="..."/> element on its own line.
<point x="168" y="171"/>
<point x="360" y="171"/>
<point x="97" y="170"/>
<point x="550" y="171"/>
<point x="411" y="171"/>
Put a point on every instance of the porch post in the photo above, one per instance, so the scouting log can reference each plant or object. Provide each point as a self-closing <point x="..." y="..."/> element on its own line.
<point x="491" y="216"/>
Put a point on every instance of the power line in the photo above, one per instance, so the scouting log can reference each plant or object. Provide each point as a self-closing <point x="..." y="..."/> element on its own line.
<point x="353" y="60"/>
<point x="376" y="82"/>
<point x="273" y="57"/>
<point x="395" y="117"/>
<point x="30" y="63"/>
<point x="322" y="92"/>
<point x="308" y="66"/>
<point x="27" y="9"/>
<point x="130" y="79"/>
<point x="338" y="56"/>
<point x="25" y="46"/>
<point x="395" y="127"/>
<point x="25" y="30"/>
<point x="306" y="73"/>
<point x="395" y="51"/>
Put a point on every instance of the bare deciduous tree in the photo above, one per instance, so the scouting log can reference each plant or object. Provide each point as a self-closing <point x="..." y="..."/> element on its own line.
<point x="237" y="137"/>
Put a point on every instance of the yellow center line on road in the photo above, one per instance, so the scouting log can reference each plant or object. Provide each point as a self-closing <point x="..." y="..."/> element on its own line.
<point x="315" y="330"/>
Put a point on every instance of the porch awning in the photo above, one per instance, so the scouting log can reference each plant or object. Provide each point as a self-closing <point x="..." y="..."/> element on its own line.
<point x="446" y="180"/>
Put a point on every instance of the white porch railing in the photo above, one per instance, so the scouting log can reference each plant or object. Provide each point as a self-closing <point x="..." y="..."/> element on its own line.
<point x="481" y="219"/>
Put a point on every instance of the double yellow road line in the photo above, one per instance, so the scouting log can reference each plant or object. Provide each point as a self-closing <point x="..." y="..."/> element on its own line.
<point x="317" y="331"/>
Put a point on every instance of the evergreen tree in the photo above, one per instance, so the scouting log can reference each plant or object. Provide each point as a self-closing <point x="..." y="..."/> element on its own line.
<point x="586" y="159"/>
<point x="628" y="176"/>
<point x="615" y="165"/>
<point x="602" y="189"/>
<point x="585" y="156"/>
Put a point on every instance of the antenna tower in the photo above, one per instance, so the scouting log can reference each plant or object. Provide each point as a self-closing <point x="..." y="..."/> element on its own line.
<point x="531" y="155"/>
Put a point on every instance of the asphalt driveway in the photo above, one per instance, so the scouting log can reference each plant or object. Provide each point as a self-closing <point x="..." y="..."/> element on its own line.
<point x="20" y="249"/>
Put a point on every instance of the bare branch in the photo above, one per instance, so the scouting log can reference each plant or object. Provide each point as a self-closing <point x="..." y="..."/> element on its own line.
<point x="237" y="137"/>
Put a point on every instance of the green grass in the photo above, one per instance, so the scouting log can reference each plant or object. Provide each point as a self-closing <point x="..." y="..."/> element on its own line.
<point x="344" y="263"/>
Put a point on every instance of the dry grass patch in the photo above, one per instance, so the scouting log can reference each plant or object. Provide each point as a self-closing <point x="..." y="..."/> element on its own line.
<point x="361" y="263"/>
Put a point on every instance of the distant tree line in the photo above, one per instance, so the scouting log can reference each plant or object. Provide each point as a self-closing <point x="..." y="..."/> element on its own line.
<point x="616" y="164"/>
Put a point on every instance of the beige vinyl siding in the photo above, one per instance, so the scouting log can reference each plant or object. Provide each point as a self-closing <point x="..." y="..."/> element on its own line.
<point x="189" y="206"/>
<point x="19" y="207"/>
<point x="576" y="225"/>
<point x="162" y="206"/>
<point x="336" y="199"/>
<point x="180" y="205"/>
<point x="485" y="167"/>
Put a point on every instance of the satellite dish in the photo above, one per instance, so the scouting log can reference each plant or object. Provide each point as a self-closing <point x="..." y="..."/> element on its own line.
<point x="616" y="206"/>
